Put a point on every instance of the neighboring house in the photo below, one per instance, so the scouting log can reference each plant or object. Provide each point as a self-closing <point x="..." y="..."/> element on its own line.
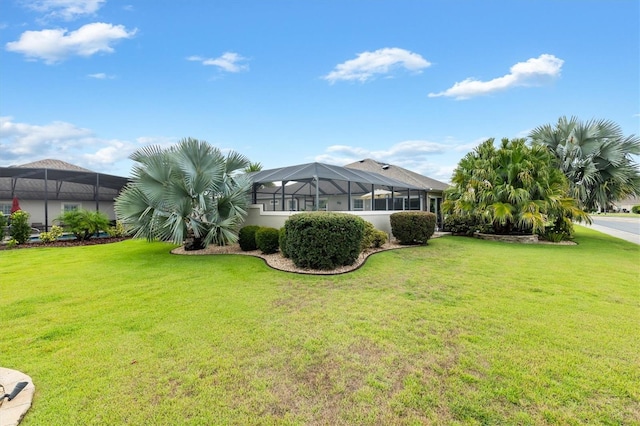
<point x="47" y="188"/>
<point x="625" y="206"/>
<point x="373" y="195"/>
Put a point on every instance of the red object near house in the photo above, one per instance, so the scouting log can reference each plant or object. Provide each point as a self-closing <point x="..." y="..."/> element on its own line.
<point x="15" y="205"/>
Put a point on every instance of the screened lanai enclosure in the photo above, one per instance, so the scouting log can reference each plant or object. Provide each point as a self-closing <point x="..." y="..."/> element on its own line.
<point x="47" y="188"/>
<point x="317" y="186"/>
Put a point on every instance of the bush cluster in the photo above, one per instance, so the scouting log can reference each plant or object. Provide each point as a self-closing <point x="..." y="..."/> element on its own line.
<point x="561" y="229"/>
<point x="247" y="237"/>
<point x="635" y="209"/>
<point x="254" y="237"/>
<point x="54" y="233"/>
<point x="267" y="239"/>
<point x="466" y="225"/>
<point x="413" y="227"/>
<point x="117" y="230"/>
<point x="372" y="237"/>
<point x="323" y="240"/>
<point x="84" y="224"/>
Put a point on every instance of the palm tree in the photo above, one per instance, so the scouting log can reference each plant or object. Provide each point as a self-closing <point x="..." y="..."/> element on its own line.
<point x="253" y="167"/>
<point x="189" y="192"/>
<point x="514" y="188"/>
<point x="596" y="158"/>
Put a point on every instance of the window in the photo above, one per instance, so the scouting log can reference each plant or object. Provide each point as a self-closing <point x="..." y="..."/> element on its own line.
<point x="323" y="204"/>
<point x="358" y="203"/>
<point x="5" y="209"/>
<point x="68" y="207"/>
<point x="414" y="203"/>
<point x="274" y="202"/>
<point x="292" y="204"/>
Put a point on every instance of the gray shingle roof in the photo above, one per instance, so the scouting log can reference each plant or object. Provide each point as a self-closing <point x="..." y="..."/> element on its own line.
<point x="399" y="173"/>
<point x="307" y="172"/>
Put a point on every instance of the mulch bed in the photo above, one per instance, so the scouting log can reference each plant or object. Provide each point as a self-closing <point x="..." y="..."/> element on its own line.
<point x="66" y="243"/>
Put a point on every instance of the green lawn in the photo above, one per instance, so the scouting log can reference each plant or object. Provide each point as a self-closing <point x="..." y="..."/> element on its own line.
<point x="461" y="331"/>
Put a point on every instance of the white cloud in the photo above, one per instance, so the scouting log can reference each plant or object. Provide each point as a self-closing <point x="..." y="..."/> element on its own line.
<point x="24" y="143"/>
<point x="55" y="45"/>
<point x="101" y="76"/>
<point x="65" y="9"/>
<point x="229" y="62"/>
<point x="533" y="72"/>
<point x="382" y="61"/>
<point x="415" y="155"/>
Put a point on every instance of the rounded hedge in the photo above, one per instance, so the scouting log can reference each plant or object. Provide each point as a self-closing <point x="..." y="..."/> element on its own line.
<point x="267" y="239"/>
<point x="247" y="237"/>
<point x="413" y="227"/>
<point x="635" y="209"/>
<point x="282" y="241"/>
<point x="323" y="240"/>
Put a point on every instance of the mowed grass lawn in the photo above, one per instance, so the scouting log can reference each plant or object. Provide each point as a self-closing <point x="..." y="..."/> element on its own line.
<point x="461" y="331"/>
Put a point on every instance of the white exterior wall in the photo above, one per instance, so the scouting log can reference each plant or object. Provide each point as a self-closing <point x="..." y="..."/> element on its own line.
<point x="257" y="216"/>
<point x="35" y="208"/>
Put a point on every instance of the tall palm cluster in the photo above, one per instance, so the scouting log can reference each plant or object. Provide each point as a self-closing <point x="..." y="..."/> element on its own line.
<point x="188" y="192"/>
<point x="514" y="188"/>
<point x="596" y="158"/>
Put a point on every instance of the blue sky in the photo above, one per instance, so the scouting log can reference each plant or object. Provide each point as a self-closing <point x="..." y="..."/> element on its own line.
<point x="413" y="83"/>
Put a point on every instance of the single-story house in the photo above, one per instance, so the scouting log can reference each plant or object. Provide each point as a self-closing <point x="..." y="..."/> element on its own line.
<point x="367" y="188"/>
<point x="625" y="206"/>
<point x="47" y="188"/>
<point x="370" y="189"/>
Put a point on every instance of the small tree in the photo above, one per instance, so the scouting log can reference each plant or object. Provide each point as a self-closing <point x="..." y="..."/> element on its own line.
<point x="20" y="228"/>
<point x="189" y="193"/>
<point x="83" y="223"/>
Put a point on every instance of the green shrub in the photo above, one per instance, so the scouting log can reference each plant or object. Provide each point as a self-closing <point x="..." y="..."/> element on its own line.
<point x="282" y="241"/>
<point x="413" y="227"/>
<point x="560" y="230"/>
<point x="267" y="239"/>
<point x="118" y="230"/>
<point x="20" y="228"/>
<point x="372" y="237"/>
<point x="84" y="223"/>
<point x="247" y="237"/>
<point x="461" y="224"/>
<point x="367" y="236"/>
<point x="12" y="243"/>
<point x="54" y="233"/>
<point x="324" y="240"/>
<point x="635" y="209"/>
<point x="3" y="224"/>
<point x="379" y="238"/>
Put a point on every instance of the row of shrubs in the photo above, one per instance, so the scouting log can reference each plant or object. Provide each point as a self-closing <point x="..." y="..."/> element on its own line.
<point x="84" y="224"/>
<point x="327" y="240"/>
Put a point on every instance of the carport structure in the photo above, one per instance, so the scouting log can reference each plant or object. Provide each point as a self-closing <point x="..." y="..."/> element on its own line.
<point x="304" y="186"/>
<point x="47" y="181"/>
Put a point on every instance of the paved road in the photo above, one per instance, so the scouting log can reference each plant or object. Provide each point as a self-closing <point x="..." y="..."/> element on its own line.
<point x="627" y="228"/>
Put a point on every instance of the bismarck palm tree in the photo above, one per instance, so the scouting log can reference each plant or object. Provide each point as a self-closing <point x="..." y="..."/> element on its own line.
<point x="514" y="188"/>
<point x="596" y="158"/>
<point x="190" y="193"/>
